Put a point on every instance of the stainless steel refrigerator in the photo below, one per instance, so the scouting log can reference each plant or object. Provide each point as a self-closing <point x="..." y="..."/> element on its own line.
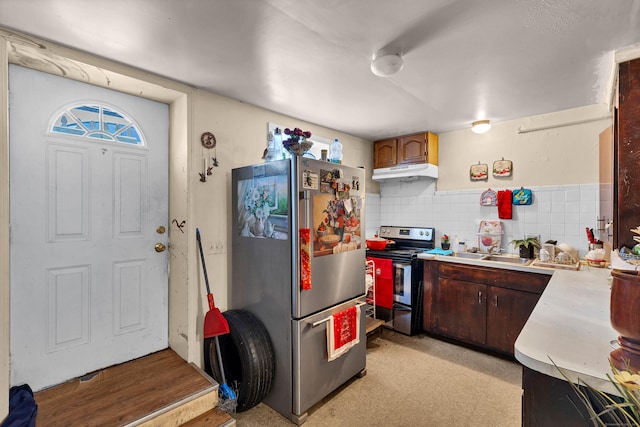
<point x="298" y="258"/>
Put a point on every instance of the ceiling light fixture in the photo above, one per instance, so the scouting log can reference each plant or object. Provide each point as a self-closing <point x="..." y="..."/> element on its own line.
<point x="387" y="62"/>
<point x="480" y="126"/>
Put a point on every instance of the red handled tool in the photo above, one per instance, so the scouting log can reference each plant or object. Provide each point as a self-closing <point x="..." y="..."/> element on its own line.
<point x="216" y="324"/>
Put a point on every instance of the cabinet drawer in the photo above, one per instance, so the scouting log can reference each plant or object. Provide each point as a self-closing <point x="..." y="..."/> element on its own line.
<point x="510" y="279"/>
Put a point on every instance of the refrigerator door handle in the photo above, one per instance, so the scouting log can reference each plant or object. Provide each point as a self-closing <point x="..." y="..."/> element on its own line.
<point x="305" y="197"/>
<point x="326" y="319"/>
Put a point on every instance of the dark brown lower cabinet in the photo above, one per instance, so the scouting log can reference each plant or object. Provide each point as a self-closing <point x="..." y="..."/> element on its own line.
<point x="461" y="310"/>
<point x="507" y="312"/>
<point x="549" y="401"/>
<point x="483" y="306"/>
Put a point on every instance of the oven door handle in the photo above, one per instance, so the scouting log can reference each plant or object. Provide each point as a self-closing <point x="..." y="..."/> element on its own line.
<point x="401" y="307"/>
<point x="399" y="265"/>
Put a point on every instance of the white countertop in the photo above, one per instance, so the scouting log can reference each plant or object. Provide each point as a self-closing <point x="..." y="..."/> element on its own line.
<point x="570" y="324"/>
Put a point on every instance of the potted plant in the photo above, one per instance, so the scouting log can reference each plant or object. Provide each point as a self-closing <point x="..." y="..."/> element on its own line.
<point x="526" y="246"/>
<point x="605" y="409"/>
<point x="445" y="244"/>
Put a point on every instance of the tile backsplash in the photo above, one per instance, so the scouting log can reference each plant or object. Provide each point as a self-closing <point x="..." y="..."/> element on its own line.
<point x="557" y="212"/>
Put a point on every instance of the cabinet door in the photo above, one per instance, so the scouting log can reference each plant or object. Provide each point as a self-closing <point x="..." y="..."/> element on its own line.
<point x="507" y="312"/>
<point x="429" y="285"/>
<point x="626" y="195"/>
<point x="459" y="310"/>
<point x="412" y="149"/>
<point x="384" y="153"/>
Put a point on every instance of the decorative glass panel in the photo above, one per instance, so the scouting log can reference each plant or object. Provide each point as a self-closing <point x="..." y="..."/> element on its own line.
<point x="97" y="122"/>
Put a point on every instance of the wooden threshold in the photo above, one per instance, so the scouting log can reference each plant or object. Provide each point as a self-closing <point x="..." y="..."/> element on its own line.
<point x="157" y="389"/>
<point x="214" y="417"/>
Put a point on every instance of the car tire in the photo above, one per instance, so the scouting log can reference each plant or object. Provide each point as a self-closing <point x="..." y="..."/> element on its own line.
<point x="247" y="356"/>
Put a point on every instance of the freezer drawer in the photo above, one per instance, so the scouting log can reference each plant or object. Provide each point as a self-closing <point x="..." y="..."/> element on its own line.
<point x="314" y="376"/>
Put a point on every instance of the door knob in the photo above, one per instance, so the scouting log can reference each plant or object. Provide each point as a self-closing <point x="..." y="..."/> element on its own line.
<point x="160" y="247"/>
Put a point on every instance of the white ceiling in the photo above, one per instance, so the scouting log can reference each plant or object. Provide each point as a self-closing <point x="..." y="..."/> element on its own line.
<point x="464" y="59"/>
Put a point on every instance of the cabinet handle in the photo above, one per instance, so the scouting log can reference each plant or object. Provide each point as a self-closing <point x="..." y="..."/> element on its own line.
<point x="496" y="300"/>
<point x="479" y="297"/>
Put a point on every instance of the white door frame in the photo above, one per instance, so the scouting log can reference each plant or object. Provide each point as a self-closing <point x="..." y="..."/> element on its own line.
<point x="184" y="301"/>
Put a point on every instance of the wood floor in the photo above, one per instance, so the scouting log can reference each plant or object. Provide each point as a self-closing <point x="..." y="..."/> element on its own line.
<point x="160" y="389"/>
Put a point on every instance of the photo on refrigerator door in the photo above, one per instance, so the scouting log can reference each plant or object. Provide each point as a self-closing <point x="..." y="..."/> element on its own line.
<point x="263" y="207"/>
<point x="336" y="222"/>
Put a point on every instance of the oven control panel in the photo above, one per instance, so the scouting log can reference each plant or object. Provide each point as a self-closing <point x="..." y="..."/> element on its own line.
<point x="407" y="233"/>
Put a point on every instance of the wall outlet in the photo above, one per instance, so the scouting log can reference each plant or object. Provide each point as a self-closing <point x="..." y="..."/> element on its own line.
<point x="216" y="248"/>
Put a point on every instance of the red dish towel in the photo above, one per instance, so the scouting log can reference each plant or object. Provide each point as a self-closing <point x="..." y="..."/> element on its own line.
<point x="343" y="332"/>
<point x="504" y="204"/>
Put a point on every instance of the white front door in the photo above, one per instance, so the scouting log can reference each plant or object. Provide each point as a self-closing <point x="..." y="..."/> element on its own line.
<point x="88" y="288"/>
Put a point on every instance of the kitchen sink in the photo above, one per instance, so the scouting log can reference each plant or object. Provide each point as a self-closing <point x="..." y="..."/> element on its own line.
<point x="512" y="259"/>
<point x="508" y="258"/>
<point x="470" y="255"/>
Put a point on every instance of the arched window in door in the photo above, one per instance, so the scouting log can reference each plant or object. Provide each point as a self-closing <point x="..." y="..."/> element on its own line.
<point x="98" y="122"/>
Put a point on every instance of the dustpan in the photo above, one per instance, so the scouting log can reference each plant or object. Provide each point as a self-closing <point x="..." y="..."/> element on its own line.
<point x="214" y="322"/>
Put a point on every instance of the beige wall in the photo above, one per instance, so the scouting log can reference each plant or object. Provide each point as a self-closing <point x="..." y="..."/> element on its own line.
<point x="561" y="154"/>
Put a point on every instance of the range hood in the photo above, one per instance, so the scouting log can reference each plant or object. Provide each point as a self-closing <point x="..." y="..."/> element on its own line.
<point x="408" y="172"/>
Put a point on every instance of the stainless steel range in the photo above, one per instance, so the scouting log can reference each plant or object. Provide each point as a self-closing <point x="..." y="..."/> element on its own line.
<point x="399" y="276"/>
